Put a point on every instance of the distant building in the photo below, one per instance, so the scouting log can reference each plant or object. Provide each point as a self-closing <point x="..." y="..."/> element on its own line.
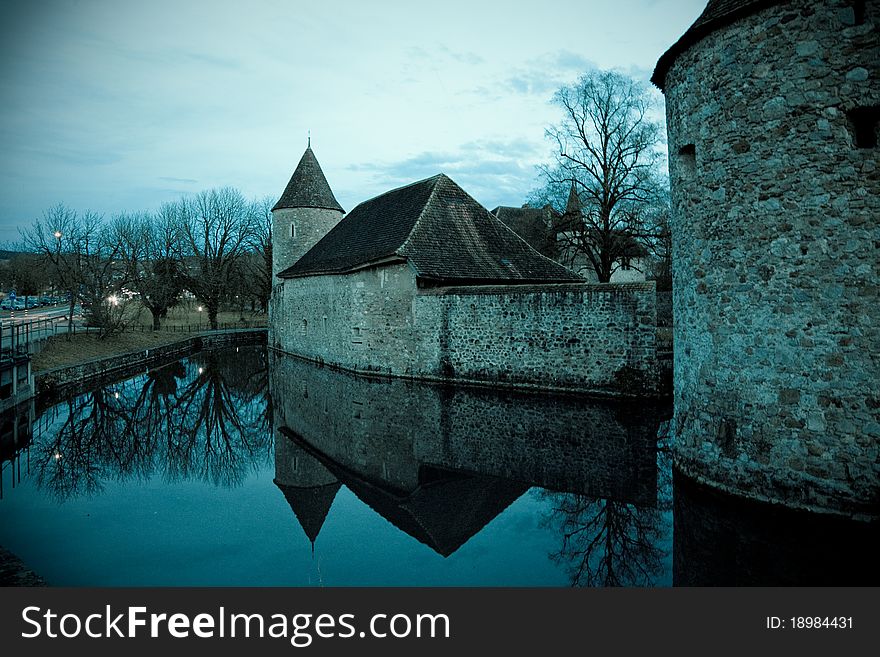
<point x="537" y="226"/>
<point x="552" y="235"/>
<point x="422" y="281"/>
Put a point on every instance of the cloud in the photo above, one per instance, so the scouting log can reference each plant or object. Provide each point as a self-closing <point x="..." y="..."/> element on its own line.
<point x="189" y="181"/>
<point x="494" y="171"/>
<point x="543" y="75"/>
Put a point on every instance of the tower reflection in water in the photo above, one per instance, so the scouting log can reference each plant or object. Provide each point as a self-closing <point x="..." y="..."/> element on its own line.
<point x="439" y="463"/>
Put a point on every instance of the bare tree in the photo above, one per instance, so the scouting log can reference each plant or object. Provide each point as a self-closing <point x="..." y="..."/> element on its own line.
<point x="83" y="256"/>
<point x="151" y="249"/>
<point x="217" y="227"/>
<point x="606" y="163"/>
<point x="55" y="236"/>
<point x="608" y="543"/>
<point x="258" y="265"/>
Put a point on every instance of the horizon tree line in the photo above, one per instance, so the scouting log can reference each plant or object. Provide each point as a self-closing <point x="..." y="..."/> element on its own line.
<point x="217" y="245"/>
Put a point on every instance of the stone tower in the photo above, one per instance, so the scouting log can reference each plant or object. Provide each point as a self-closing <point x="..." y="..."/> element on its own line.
<point x="306" y="211"/>
<point x="772" y="110"/>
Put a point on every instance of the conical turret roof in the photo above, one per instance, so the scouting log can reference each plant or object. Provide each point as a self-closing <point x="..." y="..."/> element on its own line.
<point x="308" y="188"/>
<point x="310" y="505"/>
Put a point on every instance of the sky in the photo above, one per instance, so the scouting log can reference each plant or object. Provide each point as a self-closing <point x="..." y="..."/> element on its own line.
<point x="121" y="106"/>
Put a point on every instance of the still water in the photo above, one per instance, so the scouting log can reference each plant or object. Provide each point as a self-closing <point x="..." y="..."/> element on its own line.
<point x="238" y="467"/>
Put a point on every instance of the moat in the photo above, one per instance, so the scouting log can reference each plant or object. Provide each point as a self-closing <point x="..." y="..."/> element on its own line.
<point x="242" y="467"/>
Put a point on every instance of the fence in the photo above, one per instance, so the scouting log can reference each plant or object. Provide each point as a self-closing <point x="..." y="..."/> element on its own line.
<point x="15" y="338"/>
<point x="20" y="338"/>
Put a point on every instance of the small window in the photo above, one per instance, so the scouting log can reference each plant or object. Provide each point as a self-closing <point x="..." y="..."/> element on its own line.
<point x="859" y="11"/>
<point x="324" y="323"/>
<point x="305" y="327"/>
<point x="356" y="330"/>
<point x="293" y="231"/>
<point x="864" y="124"/>
<point x="687" y="156"/>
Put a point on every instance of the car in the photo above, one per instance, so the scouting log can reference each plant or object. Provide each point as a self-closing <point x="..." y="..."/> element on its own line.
<point x="7" y="304"/>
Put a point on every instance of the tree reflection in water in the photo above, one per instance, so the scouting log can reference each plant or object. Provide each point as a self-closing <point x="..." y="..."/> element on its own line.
<point x="611" y="543"/>
<point x="202" y="418"/>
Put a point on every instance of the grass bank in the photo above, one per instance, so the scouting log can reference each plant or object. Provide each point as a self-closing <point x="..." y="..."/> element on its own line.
<point x="58" y="351"/>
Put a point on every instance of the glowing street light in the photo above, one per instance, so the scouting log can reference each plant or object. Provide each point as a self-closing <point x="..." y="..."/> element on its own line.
<point x="57" y="234"/>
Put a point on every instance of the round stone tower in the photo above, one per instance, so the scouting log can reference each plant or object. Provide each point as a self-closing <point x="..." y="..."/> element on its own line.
<point x="772" y="111"/>
<point x="306" y="211"/>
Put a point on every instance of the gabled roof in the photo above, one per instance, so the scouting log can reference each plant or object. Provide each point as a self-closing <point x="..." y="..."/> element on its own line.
<point x="308" y="188"/>
<point x="717" y="14"/>
<point x="439" y="229"/>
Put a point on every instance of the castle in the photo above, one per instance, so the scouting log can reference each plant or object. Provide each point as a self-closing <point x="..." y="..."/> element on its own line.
<point x="551" y="234"/>
<point x="424" y="282"/>
<point x="772" y="111"/>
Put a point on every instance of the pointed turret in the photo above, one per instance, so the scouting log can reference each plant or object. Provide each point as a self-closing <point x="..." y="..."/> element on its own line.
<point x="308" y="188"/>
<point x="573" y="204"/>
<point x="306" y="211"/>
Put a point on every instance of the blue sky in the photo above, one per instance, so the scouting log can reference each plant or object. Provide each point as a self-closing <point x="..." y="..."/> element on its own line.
<point x="115" y="106"/>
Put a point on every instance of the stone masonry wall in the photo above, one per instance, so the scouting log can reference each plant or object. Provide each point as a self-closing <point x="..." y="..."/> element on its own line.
<point x="775" y="256"/>
<point x="587" y="337"/>
<point x="597" y="338"/>
<point x="311" y="224"/>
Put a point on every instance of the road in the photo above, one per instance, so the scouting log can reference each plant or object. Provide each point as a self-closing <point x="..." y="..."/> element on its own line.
<point x="32" y="314"/>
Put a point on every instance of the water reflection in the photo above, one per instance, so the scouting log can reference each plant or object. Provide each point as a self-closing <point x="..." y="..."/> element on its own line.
<point x="203" y="418"/>
<point x="584" y="487"/>
<point x="15" y="441"/>
<point x="606" y="542"/>
<point x="440" y="463"/>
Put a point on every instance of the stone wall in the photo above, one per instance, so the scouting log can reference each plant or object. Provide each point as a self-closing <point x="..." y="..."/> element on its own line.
<point x="62" y="379"/>
<point x="587" y="337"/>
<point x="296" y="230"/>
<point x="775" y="256"/>
<point x="598" y="338"/>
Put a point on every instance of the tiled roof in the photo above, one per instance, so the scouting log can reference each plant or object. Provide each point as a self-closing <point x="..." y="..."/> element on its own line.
<point x="718" y="13"/>
<point x="439" y="229"/>
<point x="308" y="188"/>
<point x="534" y="225"/>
